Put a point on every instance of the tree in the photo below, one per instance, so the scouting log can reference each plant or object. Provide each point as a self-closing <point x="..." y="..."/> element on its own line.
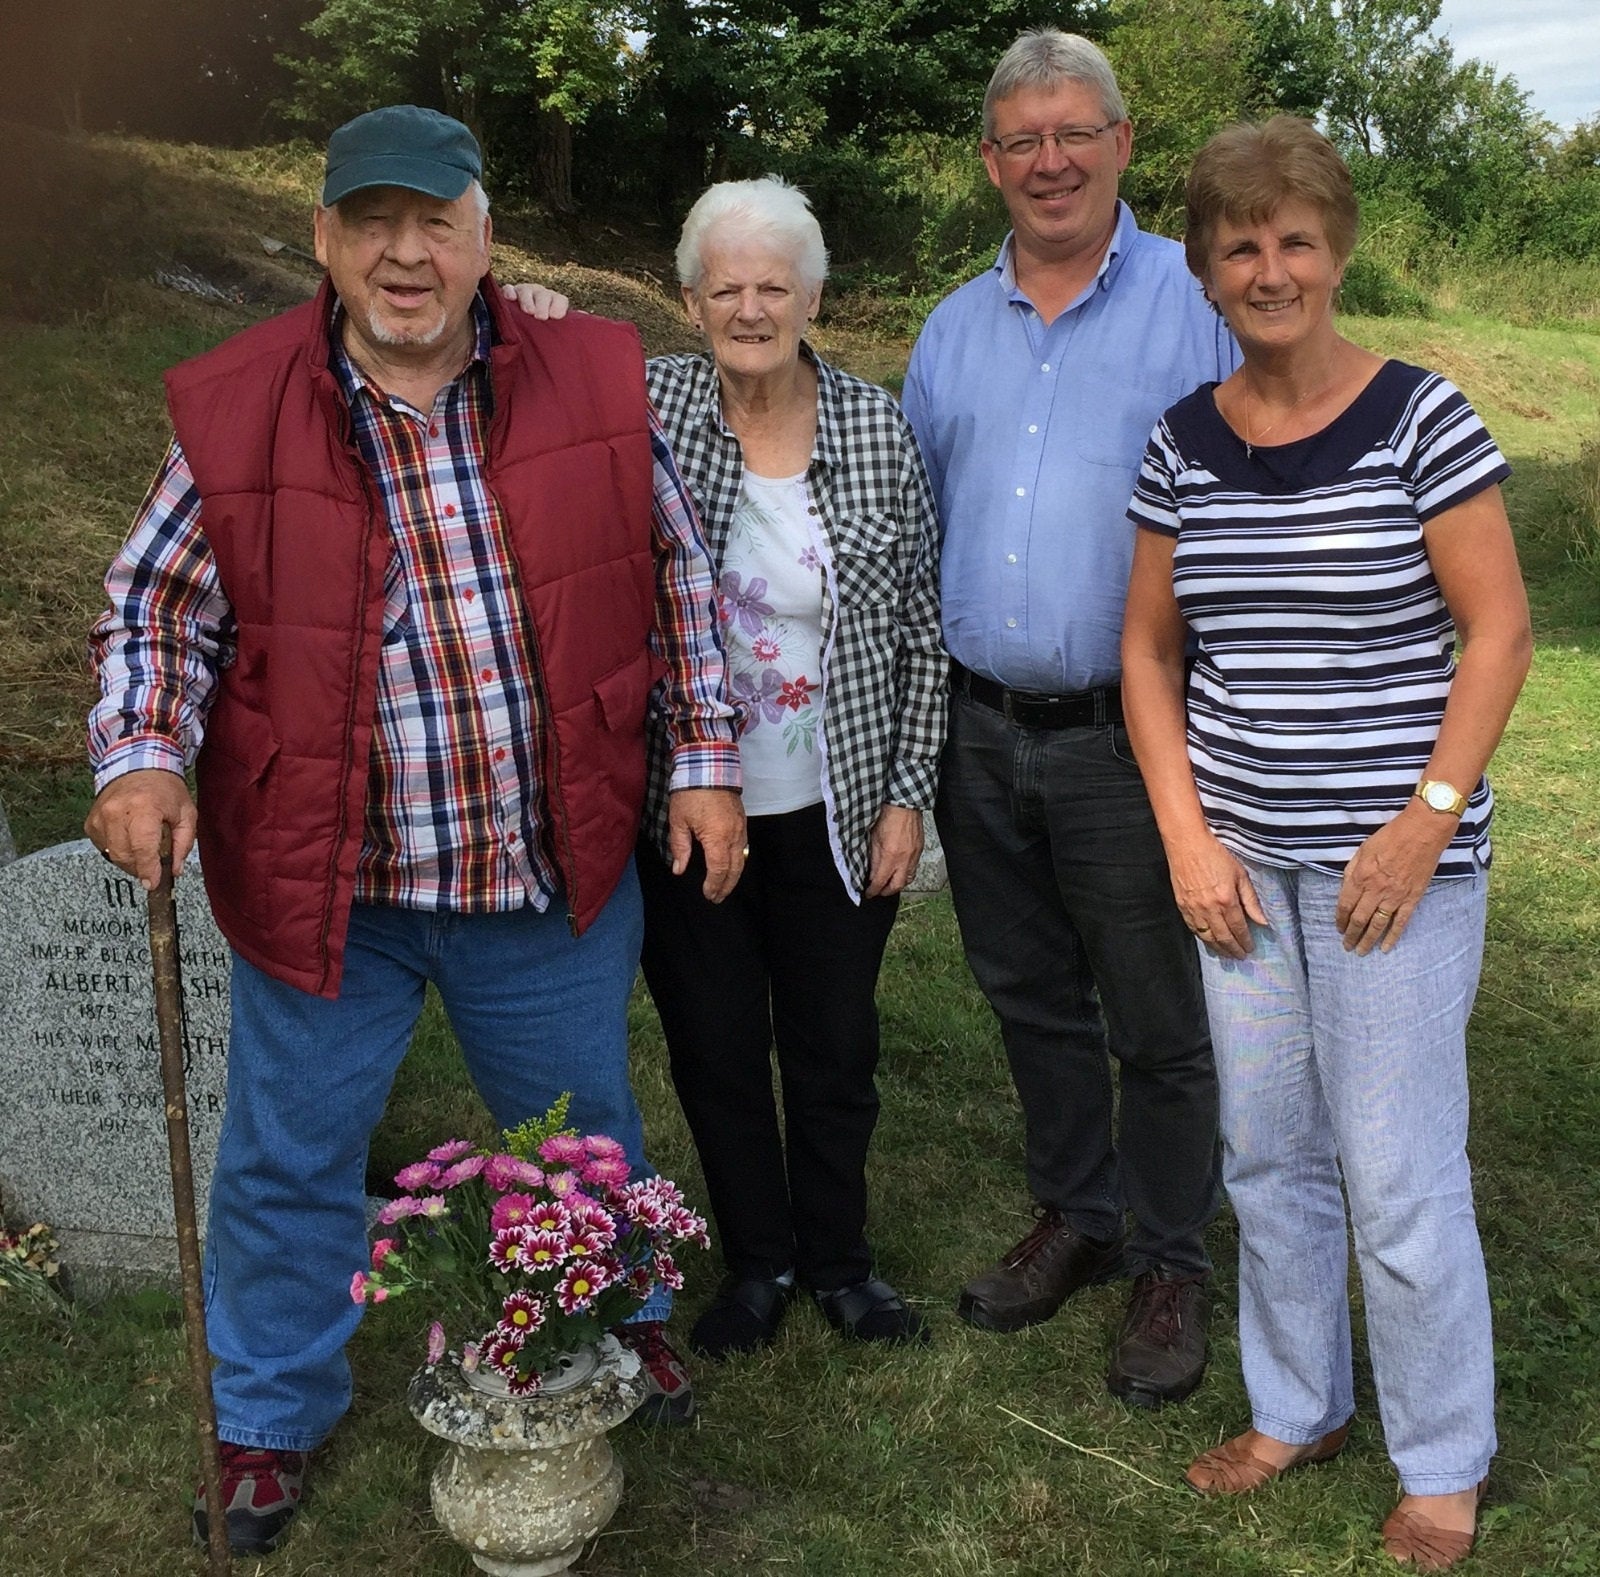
<point x="501" y="66"/>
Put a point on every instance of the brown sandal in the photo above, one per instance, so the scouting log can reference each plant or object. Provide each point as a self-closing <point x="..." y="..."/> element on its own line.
<point x="1414" y="1540"/>
<point x="1234" y="1469"/>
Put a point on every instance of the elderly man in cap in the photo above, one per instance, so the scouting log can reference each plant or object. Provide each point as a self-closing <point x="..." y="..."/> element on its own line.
<point x="412" y="570"/>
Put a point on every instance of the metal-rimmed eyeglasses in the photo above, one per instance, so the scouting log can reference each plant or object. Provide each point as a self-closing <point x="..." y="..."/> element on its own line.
<point x="1026" y="144"/>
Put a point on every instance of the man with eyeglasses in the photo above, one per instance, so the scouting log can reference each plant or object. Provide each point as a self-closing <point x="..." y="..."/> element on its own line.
<point x="1032" y="391"/>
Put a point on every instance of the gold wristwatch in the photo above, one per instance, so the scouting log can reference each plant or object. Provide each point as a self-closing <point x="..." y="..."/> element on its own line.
<point x="1443" y="797"/>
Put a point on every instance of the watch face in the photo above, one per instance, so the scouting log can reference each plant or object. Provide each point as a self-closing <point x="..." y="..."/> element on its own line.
<point x="1441" y="796"/>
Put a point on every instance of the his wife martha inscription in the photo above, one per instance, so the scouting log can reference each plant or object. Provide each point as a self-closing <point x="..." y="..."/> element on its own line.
<point x="83" y="1139"/>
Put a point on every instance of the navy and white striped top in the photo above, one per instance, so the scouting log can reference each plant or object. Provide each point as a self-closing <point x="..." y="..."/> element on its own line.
<point x="1325" y="648"/>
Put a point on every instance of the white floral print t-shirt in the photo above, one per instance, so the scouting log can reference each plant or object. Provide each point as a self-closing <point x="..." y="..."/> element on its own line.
<point x="769" y="598"/>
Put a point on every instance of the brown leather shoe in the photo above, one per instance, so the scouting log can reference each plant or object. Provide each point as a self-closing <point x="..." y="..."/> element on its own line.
<point x="1234" y="1469"/>
<point x="1414" y="1541"/>
<point x="1161" y="1350"/>
<point x="1036" y="1276"/>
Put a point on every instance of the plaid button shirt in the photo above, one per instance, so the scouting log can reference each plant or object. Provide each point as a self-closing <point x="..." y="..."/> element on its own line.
<point x="455" y="818"/>
<point x="884" y="669"/>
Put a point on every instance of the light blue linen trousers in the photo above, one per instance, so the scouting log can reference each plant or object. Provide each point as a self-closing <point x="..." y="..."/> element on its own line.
<point x="1331" y="1064"/>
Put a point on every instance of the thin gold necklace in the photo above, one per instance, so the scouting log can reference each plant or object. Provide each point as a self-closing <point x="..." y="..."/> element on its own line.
<point x="1252" y="438"/>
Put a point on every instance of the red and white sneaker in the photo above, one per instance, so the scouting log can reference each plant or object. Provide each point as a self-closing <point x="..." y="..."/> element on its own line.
<point x="261" y="1492"/>
<point x="669" y="1397"/>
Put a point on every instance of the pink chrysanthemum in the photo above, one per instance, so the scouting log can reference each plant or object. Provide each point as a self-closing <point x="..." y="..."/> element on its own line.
<point x="505" y="1252"/>
<point x="640" y="1281"/>
<point x="521" y="1314"/>
<point x="463" y="1171"/>
<point x="606" y="1171"/>
<point x="543" y="1250"/>
<point x="665" y="1190"/>
<point x="581" y="1284"/>
<point x="562" y="1149"/>
<point x="667" y="1272"/>
<point x="433" y="1207"/>
<point x="519" y="1384"/>
<point x="512" y="1210"/>
<point x="381" y="1250"/>
<point x="603" y="1147"/>
<point x="358" y="1287"/>
<point x="378" y="1294"/>
<point x="419" y="1175"/>
<point x="505" y="1172"/>
<point x="549" y="1215"/>
<point x="435" y="1342"/>
<point x="449" y="1150"/>
<point x="470" y="1354"/>
<point x="399" y="1209"/>
<point x="561" y="1184"/>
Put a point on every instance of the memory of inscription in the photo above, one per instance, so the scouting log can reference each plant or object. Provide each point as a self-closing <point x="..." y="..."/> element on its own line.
<point x="83" y="1136"/>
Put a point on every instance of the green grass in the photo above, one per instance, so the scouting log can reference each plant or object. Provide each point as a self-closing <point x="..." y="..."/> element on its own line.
<point x="818" y="1458"/>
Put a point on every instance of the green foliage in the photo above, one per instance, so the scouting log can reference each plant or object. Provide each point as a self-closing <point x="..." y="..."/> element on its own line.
<point x="1182" y="68"/>
<point x="524" y="1140"/>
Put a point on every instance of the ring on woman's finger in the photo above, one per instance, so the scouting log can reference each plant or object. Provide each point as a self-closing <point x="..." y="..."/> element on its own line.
<point x="1386" y="915"/>
<point x="745" y="851"/>
<point x="1202" y="930"/>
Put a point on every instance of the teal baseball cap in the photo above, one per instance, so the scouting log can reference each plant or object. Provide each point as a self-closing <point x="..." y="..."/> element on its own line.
<point x="401" y="145"/>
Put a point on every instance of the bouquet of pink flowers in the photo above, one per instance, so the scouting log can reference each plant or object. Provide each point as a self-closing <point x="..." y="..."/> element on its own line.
<point x="547" y="1237"/>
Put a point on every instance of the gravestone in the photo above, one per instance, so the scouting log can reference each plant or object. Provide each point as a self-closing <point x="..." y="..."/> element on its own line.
<point x="83" y="1136"/>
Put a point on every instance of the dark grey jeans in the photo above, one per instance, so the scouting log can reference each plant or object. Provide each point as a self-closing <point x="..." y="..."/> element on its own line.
<point x="1070" y="928"/>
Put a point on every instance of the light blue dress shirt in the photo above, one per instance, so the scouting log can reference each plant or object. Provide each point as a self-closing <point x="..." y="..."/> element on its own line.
<point x="1032" y="436"/>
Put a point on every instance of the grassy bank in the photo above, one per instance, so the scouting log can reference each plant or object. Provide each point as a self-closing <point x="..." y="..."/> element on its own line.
<point x="982" y="1455"/>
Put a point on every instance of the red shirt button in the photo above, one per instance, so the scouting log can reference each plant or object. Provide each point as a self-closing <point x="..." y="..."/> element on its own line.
<point x="500" y="754"/>
<point x="433" y="429"/>
<point x="449" y="509"/>
<point x="487" y="675"/>
<point x="469" y="594"/>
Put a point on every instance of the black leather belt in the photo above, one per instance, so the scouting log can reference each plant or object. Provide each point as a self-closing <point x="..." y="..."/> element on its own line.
<point x="1076" y="709"/>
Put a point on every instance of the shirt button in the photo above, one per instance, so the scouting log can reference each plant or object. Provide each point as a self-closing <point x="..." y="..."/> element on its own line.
<point x="486" y="675"/>
<point x="1011" y="558"/>
<point x="511" y="837"/>
<point x="1033" y="427"/>
<point x="449" y="509"/>
<point x="1044" y="366"/>
<point x="812" y="510"/>
<point x="500" y="754"/>
<point x="1011" y="624"/>
<point x="469" y="594"/>
<point x="433" y="429"/>
<point x="1022" y="492"/>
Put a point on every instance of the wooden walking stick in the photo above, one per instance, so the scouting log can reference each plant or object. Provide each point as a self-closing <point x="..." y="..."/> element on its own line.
<point x="168" y="978"/>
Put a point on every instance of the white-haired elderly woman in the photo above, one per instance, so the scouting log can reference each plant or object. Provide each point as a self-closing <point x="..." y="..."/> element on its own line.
<point x="820" y="521"/>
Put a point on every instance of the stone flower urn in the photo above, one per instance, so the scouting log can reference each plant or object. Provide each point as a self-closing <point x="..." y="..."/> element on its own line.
<point x="528" y="1480"/>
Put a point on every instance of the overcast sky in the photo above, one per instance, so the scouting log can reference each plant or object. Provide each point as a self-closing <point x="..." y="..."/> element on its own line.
<point x="1552" y="48"/>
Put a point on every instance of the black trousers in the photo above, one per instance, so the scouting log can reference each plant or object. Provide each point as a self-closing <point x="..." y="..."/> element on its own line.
<point x="1068" y="921"/>
<point x="786" y="962"/>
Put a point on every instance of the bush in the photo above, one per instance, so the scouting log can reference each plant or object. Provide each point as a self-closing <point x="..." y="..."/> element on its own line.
<point x="1375" y="289"/>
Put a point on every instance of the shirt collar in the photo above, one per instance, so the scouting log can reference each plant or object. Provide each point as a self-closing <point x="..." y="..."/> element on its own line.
<point x="1122" y="235"/>
<point x="352" y="380"/>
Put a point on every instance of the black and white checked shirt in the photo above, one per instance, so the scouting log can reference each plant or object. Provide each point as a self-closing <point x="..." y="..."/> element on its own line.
<point x="884" y="669"/>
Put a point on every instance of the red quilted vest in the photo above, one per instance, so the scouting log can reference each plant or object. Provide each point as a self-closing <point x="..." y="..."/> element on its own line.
<point x="292" y="517"/>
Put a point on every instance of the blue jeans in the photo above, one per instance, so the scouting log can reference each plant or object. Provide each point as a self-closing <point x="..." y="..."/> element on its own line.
<point x="1329" y="1065"/>
<point x="1070" y="928"/>
<point x="536" y="1011"/>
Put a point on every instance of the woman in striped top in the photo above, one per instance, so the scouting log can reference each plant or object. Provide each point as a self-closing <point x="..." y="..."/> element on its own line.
<point x="1316" y="534"/>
